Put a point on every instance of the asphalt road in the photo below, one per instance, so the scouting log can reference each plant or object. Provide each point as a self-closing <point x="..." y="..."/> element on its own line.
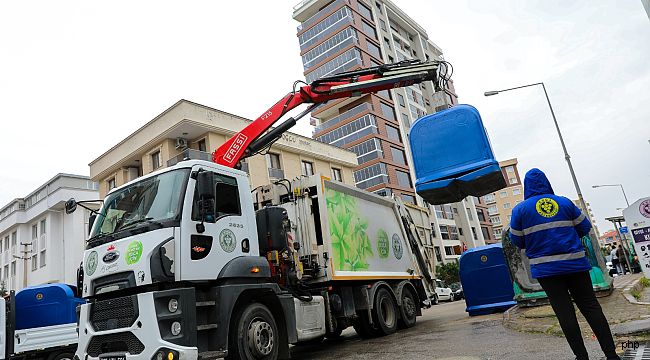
<point x="446" y="332"/>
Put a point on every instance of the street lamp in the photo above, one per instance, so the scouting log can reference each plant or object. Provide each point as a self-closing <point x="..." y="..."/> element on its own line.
<point x="566" y="154"/>
<point x="619" y="185"/>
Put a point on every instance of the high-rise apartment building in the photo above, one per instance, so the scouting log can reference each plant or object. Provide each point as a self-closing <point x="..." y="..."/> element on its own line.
<point x="590" y="215"/>
<point x="344" y="35"/>
<point x="500" y="203"/>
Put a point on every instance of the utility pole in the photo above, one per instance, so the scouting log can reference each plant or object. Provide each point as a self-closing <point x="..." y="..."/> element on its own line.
<point x="26" y="255"/>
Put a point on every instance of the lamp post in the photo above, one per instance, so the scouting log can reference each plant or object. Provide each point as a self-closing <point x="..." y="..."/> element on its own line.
<point x="619" y="185"/>
<point x="557" y="127"/>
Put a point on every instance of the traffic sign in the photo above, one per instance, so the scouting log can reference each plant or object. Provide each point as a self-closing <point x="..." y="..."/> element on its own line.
<point x="624" y="230"/>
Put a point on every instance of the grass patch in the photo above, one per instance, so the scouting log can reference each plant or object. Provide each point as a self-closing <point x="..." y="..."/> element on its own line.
<point x="645" y="282"/>
<point x="636" y="293"/>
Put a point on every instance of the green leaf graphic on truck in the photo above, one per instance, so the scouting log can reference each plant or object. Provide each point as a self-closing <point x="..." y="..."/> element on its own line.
<point x="351" y="246"/>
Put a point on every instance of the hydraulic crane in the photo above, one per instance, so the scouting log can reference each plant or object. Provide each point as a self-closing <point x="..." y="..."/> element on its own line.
<point x="252" y="138"/>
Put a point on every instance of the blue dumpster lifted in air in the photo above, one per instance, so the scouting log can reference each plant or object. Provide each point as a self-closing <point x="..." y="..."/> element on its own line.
<point x="452" y="156"/>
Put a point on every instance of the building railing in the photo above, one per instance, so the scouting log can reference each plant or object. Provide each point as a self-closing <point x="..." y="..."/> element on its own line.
<point x="344" y="116"/>
<point x="189" y="154"/>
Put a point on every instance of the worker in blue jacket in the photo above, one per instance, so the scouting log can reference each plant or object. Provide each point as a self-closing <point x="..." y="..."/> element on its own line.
<point x="549" y="227"/>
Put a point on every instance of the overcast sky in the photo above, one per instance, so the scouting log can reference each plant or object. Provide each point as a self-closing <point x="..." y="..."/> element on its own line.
<point x="76" y="77"/>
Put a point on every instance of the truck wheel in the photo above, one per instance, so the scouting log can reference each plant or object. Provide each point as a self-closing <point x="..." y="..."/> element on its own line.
<point x="408" y="310"/>
<point x="63" y="356"/>
<point x="385" y="312"/>
<point x="254" y="334"/>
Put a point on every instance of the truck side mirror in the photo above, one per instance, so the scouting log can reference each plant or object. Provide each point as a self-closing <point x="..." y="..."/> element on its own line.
<point x="205" y="186"/>
<point x="70" y="206"/>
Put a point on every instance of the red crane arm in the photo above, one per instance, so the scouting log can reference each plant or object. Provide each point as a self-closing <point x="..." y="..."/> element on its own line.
<point x="345" y="85"/>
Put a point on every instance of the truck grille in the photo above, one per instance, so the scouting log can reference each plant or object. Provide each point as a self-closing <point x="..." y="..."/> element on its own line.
<point x="114" y="343"/>
<point x="114" y="313"/>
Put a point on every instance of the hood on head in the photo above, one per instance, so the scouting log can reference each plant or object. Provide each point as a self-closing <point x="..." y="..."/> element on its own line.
<point x="536" y="183"/>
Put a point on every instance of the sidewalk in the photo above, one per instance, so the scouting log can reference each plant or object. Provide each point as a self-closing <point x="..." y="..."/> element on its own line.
<point x="628" y="321"/>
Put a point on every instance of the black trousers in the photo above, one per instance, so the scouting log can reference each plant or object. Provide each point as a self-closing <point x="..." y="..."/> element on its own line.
<point x="560" y="289"/>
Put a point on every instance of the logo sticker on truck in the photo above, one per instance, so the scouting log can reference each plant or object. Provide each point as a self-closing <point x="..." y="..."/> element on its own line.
<point x="382" y="244"/>
<point x="227" y="240"/>
<point x="133" y="252"/>
<point x="397" y="247"/>
<point x="91" y="263"/>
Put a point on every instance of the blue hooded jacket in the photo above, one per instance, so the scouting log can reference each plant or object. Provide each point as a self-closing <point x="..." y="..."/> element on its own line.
<point x="549" y="227"/>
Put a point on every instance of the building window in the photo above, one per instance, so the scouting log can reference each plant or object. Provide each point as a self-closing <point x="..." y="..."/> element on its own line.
<point x="400" y="99"/>
<point x="503" y="194"/>
<point x="469" y="214"/>
<point x="403" y="179"/>
<point x="398" y="155"/>
<point x="34" y="262"/>
<point x="460" y="231"/>
<point x="488" y="198"/>
<point x="474" y="233"/>
<point x="307" y="168"/>
<point x="351" y="131"/>
<point x="497" y="233"/>
<point x="510" y="169"/>
<point x="6" y="271"/>
<point x="373" y="49"/>
<point x="111" y="184"/>
<point x="506" y="205"/>
<point x="481" y="216"/>
<point x="42" y="258"/>
<point x="496" y="220"/>
<point x="439" y="212"/>
<point x="444" y="232"/>
<point x="14" y="239"/>
<point x="492" y="209"/>
<point x="202" y="146"/>
<point x="155" y="160"/>
<point x="392" y="132"/>
<point x="371" y="176"/>
<point x="387" y="111"/>
<point x="516" y="191"/>
<point x="43" y="226"/>
<point x="453" y="233"/>
<point x="7" y="243"/>
<point x="449" y="250"/>
<point x="382" y="24"/>
<point x="367" y="150"/>
<point x="408" y="198"/>
<point x="387" y="42"/>
<point x="405" y="119"/>
<point x="486" y="233"/>
<point x="449" y="213"/>
<point x="34" y="232"/>
<point x="336" y="174"/>
<point x="370" y="30"/>
<point x="363" y="10"/>
<point x="274" y="161"/>
<point x="1" y="242"/>
<point x="13" y="268"/>
<point x="438" y="256"/>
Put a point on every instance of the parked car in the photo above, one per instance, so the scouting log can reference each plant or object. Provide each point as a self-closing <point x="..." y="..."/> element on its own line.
<point x="457" y="289"/>
<point x="443" y="291"/>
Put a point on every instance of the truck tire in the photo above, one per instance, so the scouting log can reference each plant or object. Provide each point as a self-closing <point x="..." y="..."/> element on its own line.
<point x="63" y="356"/>
<point x="254" y="334"/>
<point x="408" y="310"/>
<point x="384" y="313"/>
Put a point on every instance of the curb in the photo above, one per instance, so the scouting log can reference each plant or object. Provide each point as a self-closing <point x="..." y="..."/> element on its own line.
<point x="629" y="297"/>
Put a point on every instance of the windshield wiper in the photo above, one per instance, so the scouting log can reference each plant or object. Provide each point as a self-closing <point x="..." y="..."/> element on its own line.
<point x="130" y="224"/>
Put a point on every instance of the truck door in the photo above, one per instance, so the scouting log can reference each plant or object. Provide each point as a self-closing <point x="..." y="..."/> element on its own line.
<point x="228" y="232"/>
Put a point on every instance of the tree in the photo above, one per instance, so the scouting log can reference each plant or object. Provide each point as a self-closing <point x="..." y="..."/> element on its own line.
<point x="449" y="272"/>
<point x="3" y="289"/>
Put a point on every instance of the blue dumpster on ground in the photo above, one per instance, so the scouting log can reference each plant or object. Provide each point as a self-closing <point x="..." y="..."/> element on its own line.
<point x="452" y="156"/>
<point x="46" y="305"/>
<point x="486" y="281"/>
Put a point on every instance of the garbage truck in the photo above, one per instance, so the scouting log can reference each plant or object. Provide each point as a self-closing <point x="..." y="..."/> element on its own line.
<point x="39" y="322"/>
<point x="187" y="262"/>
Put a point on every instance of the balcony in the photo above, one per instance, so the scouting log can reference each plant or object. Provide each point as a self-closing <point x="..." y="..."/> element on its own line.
<point x="189" y="154"/>
<point x="276" y="173"/>
<point x="344" y="116"/>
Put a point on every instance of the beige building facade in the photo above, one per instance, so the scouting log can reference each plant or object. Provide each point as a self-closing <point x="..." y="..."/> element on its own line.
<point x="501" y="203"/>
<point x="188" y="129"/>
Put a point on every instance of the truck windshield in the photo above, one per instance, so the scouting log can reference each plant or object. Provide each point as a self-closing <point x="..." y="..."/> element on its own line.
<point x="154" y="200"/>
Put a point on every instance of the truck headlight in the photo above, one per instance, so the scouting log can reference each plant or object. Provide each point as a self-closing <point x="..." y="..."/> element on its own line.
<point x="176" y="328"/>
<point x="172" y="306"/>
